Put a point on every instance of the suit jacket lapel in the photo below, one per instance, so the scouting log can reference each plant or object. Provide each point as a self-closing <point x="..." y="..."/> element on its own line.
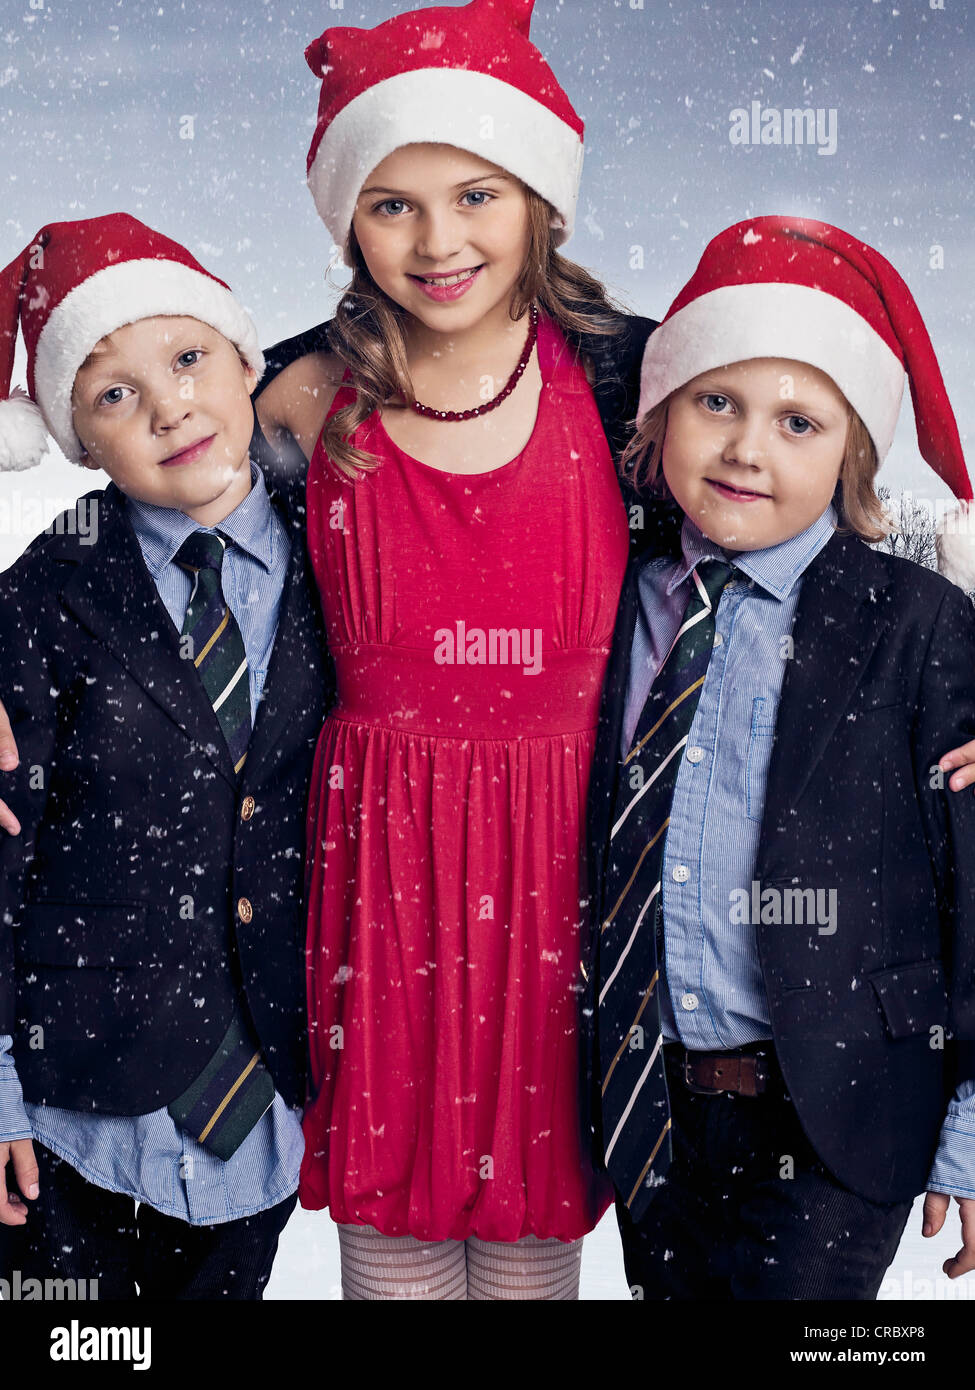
<point x="111" y="592"/>
<point x="838" y="623"/>
<point x="288" y="691"/>
<point x="606" y="755"/>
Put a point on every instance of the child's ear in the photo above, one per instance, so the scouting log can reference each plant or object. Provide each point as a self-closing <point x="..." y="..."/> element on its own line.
<point x="87" y="461"/>
<point x="250" y="376"/>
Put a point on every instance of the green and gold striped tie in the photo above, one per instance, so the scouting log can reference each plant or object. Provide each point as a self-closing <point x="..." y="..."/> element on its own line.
<point x="212" y="638"/>
<point x="234" y="1089"/>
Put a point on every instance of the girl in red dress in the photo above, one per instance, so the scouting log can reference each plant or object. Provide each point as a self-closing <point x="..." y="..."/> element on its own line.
<point x="469" y="571"/>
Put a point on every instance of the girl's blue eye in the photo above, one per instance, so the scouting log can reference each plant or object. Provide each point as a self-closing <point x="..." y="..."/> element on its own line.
<point x="391" y="203"/>
<point x="478" y="193"/>
<point x="800" y="420"/>
<point x="113" y="395"/>
<point x="715" y="402"/>
<point x="194" y="353"/>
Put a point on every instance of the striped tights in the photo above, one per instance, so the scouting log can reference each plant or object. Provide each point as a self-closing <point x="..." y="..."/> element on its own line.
<point x="377" y="1267"/>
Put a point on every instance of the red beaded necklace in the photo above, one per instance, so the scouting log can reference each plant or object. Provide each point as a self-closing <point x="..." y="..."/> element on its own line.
<point x="506" y="389"/>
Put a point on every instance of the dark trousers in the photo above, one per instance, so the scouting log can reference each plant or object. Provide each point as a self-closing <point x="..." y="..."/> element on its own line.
<point x="747" y="1211"/>
<point x="76" y="1230"/>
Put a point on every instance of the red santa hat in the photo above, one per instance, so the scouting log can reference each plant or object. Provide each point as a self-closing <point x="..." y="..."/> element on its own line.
<point x="466" y="76"/>
<point x="799" y="289"/>
<point x="76" y="282"/>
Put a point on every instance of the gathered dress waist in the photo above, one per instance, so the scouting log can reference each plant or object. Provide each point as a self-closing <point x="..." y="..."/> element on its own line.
<point x="475" y="685"/>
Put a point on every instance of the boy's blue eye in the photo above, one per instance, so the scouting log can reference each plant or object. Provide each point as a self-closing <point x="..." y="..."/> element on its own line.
<point x="113" y="395"/>
<point x="194" y="353"/>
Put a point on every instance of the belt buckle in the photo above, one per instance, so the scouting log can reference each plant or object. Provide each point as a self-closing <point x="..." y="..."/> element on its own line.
<point x="762" y="1073"/>
<point x="692" y="1085"/>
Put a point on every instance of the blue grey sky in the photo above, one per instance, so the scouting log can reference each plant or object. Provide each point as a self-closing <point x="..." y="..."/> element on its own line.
<point x="93" y="96"/>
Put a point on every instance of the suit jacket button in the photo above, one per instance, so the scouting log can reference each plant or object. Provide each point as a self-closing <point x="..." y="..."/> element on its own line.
<point x="247" y="808"/>
<point x="244" y="910"/>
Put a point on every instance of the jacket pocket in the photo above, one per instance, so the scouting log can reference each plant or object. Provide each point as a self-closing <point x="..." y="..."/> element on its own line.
<point x="874" y="696"/>
<point x="912" y="998"/>
<point x="77" y="935"/>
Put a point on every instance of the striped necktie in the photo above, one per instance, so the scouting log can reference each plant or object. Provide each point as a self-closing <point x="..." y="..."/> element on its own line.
<point x="635" y="1110"/>
<point x="213" y="639"/>
<point x="233" y="1091"/>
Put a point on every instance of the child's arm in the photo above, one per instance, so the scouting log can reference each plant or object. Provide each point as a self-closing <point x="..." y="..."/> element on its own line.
<point x="946" y="700"/>
<point x="298" y="400"/>
<point x="28" y="685"/>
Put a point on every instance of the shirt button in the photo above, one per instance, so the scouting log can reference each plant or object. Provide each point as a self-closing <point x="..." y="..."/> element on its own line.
<point x="688" y="1001"/>
<point x="682" y="873"/>
<point x="694" y="755"/>
<point x="247" y="808"/>
<point x="718" y="639"/>
<point x="244" y="910"/>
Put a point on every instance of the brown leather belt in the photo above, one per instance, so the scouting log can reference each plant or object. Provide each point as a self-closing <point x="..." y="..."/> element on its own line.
<point x="745" y="1073"/>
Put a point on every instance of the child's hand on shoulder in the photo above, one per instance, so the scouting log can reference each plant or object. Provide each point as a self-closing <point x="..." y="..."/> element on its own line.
<point x="9" y="759"/>
<point x="19" y="1153"/>
<point x="962" y="759"/>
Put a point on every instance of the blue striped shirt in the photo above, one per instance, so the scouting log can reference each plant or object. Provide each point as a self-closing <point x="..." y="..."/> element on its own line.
<point x="148" y="1157"/>
<point x="716" y="996"/>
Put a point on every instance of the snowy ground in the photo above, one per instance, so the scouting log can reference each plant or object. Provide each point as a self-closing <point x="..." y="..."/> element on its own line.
<point x="308" y="1262"/>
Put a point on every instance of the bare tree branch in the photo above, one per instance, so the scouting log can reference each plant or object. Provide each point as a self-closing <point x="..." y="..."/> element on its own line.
<point x="914" y="536"/>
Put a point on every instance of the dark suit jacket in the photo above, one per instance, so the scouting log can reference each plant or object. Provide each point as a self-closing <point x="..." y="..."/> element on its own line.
<point x="121" y="946"/>
<point x="881" y="684"/>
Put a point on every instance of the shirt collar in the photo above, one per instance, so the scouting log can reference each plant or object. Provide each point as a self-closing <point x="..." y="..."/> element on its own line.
<point x="162" y="530"/>
<point x="776" y="569"/>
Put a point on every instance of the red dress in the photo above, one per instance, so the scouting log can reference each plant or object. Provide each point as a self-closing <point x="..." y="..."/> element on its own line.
<point x="470" y="619"/>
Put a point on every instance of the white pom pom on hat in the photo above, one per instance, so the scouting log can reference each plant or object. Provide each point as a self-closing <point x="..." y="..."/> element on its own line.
<point x="76" y="282"/>
<point x="955" y="544"/>
<point x="795" y="288"/>
<point x="24" y="439"/>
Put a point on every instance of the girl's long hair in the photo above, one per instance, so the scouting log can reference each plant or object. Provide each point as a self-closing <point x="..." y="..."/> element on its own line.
<point x="368" y="332"/>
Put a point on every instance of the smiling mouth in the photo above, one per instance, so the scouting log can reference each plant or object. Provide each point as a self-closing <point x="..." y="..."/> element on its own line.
<point x="454" y="279"/>
<point x="728" y="490"/>
<point x="191" y="452"/>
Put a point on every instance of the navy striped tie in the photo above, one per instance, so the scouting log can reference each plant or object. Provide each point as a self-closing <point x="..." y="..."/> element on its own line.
<point x="635" y="1111"/>
<point x="233" y="1091"/>
<point x="213" y="640"/>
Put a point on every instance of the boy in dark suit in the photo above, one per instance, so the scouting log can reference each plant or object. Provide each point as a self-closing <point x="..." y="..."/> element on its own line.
<point x="782" y="964"/>
<point x="164" y="673"/>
